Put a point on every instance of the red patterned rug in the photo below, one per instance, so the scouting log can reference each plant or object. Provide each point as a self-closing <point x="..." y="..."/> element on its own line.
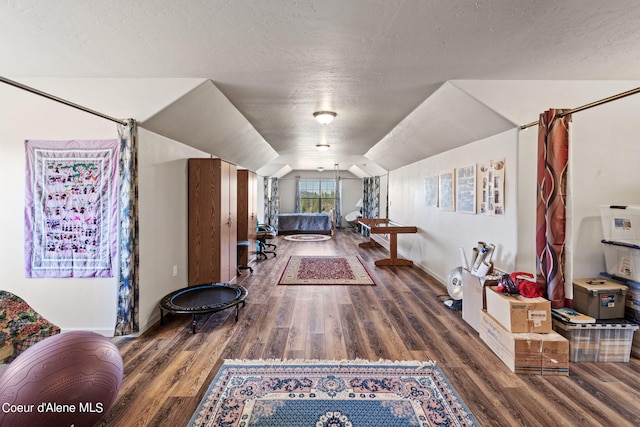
<point x="325" y="270"/>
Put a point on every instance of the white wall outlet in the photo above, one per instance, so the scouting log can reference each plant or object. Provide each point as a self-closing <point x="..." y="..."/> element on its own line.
<point x="175" y="270"/>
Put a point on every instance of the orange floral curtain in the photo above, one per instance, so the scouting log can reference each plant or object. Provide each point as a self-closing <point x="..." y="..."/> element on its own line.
<point x="553" y="160"/>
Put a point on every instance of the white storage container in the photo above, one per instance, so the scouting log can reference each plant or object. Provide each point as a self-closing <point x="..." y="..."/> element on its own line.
<point x="598" y="342"/>
<point x="622" y="260"/>
<point x="621" y="223"/>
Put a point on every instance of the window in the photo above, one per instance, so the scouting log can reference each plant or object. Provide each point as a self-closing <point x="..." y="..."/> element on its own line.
<point x="317" y="196"/>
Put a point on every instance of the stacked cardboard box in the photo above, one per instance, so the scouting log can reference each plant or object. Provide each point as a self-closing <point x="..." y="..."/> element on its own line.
<point x="519" y="331"/>
<point x="526" y="352"/>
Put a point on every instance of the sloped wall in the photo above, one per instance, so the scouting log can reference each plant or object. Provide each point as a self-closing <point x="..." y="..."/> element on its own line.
<point x="205" y="119"/>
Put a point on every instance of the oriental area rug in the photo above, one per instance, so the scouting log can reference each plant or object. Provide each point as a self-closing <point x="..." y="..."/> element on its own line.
<point x="325" y="270"/>
<point x="354" y="393"/>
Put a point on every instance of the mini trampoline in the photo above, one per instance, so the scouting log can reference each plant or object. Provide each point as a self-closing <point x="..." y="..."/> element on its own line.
<point x="203" y="299"/>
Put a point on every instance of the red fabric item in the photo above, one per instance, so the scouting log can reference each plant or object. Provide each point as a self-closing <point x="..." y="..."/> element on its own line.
<point x="526" y="284"/>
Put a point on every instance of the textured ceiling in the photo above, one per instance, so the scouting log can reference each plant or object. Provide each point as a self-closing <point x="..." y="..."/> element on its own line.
<point x="277" y="61"/>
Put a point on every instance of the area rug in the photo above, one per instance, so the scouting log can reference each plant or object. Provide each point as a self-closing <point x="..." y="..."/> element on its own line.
<point x="307" y="237"/>
<point x="311" y="393"/>
<point x="325" y="270"/>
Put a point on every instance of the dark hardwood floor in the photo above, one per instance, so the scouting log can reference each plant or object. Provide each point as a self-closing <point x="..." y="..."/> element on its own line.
<point x="168" y="369"/>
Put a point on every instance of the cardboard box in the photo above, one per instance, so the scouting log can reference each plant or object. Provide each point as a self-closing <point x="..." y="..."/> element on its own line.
<point x="526" y="353"/>
<point x="518" y="314"/>
<point x="599" y="298"/>
<point x="473" y="296"/>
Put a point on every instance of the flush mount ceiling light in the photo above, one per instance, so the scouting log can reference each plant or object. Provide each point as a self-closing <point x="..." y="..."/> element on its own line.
<point x="322" y="146"/>
<point x="324" y="117"/>
<point x="320" y="169"/>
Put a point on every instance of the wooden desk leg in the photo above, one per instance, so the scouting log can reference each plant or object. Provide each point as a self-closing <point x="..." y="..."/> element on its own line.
<point x="393" y="246"/>
<point x="393" y="254"/>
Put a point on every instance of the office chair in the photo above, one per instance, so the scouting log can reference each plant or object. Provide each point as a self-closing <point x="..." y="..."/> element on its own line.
<point x="265" y="232"/>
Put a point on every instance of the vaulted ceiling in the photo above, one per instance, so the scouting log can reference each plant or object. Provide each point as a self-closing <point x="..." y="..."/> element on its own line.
<point x="382" y="65"/>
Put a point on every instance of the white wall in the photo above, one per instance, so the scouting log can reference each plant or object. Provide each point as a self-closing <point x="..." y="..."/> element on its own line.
<point x="162" y="189"/>
<point x="90" y="304"/>
<point x="604" y="170"/>
<point x="69" y="303"/>
<point x="435" y="248"/>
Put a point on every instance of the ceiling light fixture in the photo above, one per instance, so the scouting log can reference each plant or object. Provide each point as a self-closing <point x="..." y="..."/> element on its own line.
<point x="322" y="146"/>
<point x="324" y="117"/>
<point x="320" y="169"/>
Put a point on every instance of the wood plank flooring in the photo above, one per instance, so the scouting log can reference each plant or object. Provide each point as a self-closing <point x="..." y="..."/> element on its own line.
<point x="168" y="369"/>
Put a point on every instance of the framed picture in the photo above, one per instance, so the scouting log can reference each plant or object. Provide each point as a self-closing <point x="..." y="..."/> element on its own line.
<point x="466" y="189"/>
<point x="446" y="188"/>
<point x="492" y="177"/>
<point x="431" y="191"/>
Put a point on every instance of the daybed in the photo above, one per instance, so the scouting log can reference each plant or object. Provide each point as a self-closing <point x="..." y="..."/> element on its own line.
<point x="301" y="223"/>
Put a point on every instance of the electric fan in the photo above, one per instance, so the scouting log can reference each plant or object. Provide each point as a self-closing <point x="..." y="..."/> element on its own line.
<point x="454" y="287"/>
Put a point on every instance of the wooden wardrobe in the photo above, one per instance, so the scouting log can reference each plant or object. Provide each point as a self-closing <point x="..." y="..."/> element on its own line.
<point x="213" y="221"/>
<point x="247" y="215"/>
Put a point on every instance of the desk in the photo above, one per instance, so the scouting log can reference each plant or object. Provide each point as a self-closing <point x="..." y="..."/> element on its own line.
<point x="203" y="299"/>
<point x="378" y="227"/>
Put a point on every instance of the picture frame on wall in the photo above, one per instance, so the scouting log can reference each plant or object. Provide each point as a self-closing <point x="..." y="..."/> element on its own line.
<point x="466" y="189"/>
<point x="446" y="191"/>
<point x="492" y="176"/>
<point x="431" y="191"/>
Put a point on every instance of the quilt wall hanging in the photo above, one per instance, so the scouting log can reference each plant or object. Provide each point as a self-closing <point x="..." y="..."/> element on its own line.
<point x="71" y="208"/>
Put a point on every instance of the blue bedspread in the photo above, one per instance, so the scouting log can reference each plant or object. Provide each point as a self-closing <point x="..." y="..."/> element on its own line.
<point x="291" y="223"/>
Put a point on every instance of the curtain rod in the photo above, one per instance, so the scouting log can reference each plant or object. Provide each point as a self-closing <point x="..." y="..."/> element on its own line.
<point x="587" y="106"/>
<point x="60" y="100"/>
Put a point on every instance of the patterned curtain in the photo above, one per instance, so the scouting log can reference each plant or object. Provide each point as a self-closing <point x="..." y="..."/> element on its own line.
<point x="338" y="202"/>
<point x="274" y="204"/>
<point x="128" y="278"/>
<point x="371" y="197"/>
<point x="553" y="159"/>
<point x="266" y="199"/>
<point x="298" y="203"/>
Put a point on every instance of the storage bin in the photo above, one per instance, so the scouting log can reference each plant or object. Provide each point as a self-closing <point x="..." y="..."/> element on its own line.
<point x="621" y="223"/>
<point x="597" y="342"/>
<point x="632" y="305"/>
<point x="622" y="260"/>
<point x="599" y="298"/>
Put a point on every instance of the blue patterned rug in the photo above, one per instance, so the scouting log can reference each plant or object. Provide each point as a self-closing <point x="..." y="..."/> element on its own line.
<point x="330" y="394"/>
